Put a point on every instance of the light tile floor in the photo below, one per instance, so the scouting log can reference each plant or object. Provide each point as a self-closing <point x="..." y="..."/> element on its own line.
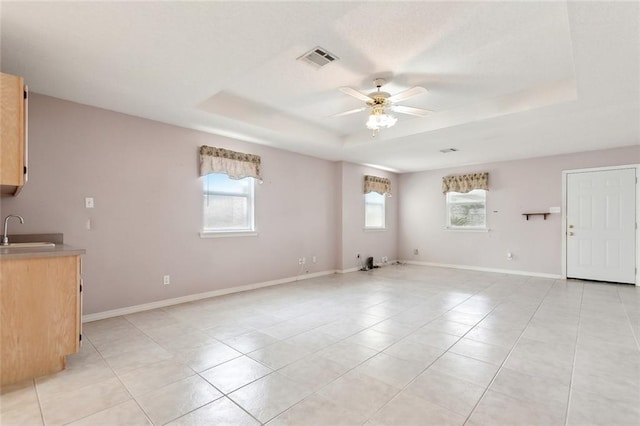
<point x="403" y="345"/>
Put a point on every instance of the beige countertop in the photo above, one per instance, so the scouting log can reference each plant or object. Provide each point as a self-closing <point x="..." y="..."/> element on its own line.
<point x="28" y="252"/>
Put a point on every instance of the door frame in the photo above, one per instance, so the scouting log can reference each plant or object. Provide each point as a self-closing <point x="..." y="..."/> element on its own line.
<point x="565" y="173"/>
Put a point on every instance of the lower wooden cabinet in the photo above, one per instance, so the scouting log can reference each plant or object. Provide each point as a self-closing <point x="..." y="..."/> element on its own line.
<point x="41" y="315"/>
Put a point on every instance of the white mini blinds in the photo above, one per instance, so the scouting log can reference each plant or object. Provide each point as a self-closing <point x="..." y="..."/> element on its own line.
<point x="236" y="165"/>
<point x="377" y="184"/>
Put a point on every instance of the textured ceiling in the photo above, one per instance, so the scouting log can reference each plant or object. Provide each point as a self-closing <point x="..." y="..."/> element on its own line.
<point x="505" y="79"/>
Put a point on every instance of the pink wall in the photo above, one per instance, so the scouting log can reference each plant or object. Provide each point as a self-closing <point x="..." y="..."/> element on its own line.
<point x="515" y="187"/>
<point x="143" y="176"/>
<point x="148" y="201"/>
<point x="354" y="238"/>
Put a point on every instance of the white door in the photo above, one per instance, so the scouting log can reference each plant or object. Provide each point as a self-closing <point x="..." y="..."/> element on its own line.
<point x="601" y="225"/>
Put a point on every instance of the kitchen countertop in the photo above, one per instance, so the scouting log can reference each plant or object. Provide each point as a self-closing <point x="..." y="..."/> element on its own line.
<point x="29" y="252"/>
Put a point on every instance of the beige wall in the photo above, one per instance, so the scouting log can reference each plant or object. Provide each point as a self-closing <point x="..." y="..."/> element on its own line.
<point x="354" y="238"/>
<point x="515" y="187"/>
<point x="148" y="200"/>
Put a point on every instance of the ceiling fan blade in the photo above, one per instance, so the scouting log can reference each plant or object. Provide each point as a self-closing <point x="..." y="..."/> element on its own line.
<point x="353" y="92"/>
<point x="353" y="111"/>
<point x="410" y="110"/>
<point x="409" y="93"/>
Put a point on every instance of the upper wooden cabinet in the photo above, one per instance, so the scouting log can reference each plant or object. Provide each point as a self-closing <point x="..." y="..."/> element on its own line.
<point x="13" y="134"/>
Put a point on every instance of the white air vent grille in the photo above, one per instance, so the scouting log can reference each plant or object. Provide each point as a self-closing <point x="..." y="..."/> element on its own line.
<point x="448" y="150"/>
<point x="318" y="57"/>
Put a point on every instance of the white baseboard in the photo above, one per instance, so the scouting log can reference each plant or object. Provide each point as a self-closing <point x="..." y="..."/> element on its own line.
<point x="482" y="269"/>
<point x="192" y="297"/>
<point x="346" y="271"/>
<point x="357" y="268"/>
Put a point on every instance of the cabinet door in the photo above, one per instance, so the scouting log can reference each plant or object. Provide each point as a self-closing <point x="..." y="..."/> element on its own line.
<point x="40" y="315"/>
<point x="12" y="131"/>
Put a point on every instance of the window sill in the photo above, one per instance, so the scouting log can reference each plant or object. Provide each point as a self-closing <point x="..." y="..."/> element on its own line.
<point x="467" y="229"/>
<point x="374" y="229"/>
<point x="227" y="234"/>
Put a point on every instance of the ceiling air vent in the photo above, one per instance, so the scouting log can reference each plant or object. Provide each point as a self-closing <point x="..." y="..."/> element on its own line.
<point x="318" y="57"/>
<point x="448" y="150"/>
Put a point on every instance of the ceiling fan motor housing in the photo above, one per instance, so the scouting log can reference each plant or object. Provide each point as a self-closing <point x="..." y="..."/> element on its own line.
<point x="378" y="98"/>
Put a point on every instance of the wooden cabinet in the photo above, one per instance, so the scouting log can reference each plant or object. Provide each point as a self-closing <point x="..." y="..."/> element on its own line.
<point x="13" y="134"/>
<point x="41" y="315"/>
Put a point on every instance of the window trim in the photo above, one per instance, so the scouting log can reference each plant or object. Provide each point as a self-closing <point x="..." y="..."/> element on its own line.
<point x="467" y="229"/>
<point x="231" y="232"/>
<point x="384" y="213"/>
<point x="448" y="227"/>
<point x="226" y="234"/>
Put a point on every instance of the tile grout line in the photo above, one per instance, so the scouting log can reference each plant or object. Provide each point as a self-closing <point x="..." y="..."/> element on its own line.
<point x="377" y="353"/>
<point x="118" y="376"/>
<point x="119" y="380"/>
<point x="35" y="388"/>
<point x="626" y="312"/>
<point x="224" y="395"/>
<point x="196" y="373"/>
<point x="273" y="370"/>
<point x="103" y="409"/>
<point x="509" y="354"/>
<point x="242" y="354"/>
<point x="280" y="340"/>
<point x="387" y="283"/>
<point x="575" y="356"/>
<point x="445" y="351"/>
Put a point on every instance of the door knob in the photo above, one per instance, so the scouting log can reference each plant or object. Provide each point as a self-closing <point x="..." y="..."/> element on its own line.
<point x="570" y="226"/>
<point x="571" y="234"/>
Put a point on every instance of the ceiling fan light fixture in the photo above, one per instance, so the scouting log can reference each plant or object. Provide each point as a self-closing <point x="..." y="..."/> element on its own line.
<point x="379" y="119"/>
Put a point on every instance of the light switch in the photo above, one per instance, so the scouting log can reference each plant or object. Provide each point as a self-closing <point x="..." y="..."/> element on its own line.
<point x="88" y="202"/>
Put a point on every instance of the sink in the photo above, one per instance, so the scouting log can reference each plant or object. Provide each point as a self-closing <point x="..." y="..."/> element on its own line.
<point x="27" y="245"/>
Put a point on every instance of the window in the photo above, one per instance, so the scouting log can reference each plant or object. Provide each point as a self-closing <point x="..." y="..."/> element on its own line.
<point x="228" y="204"/>
<point x="467" y="210"/>
<point x="374" y="210"/>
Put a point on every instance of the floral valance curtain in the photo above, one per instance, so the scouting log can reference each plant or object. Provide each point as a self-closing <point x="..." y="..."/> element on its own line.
<point x="377" y="184"/>
<point x="237" y="165"/>
<point x="465" y="183"/>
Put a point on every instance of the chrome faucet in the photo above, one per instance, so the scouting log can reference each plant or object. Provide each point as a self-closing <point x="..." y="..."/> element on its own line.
<point x="5" y="238"/>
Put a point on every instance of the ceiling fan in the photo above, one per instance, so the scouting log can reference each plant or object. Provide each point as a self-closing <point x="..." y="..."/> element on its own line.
<point x="379" y="102"/>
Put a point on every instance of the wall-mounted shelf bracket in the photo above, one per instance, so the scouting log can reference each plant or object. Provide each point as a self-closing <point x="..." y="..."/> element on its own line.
<point x="536" y="214"/>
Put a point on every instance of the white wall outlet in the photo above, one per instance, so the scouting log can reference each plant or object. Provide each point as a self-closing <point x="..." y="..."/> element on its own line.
<point x="300" y="261"/>
<point x="166" y="280"/>
<point x="314" y="259"/>
<point x="554" y="209"/>
<point x="385" y="259"/>
<point x="357" y="255"/>
<point x="88" y="202"/>
<point x="416" y="252"/>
